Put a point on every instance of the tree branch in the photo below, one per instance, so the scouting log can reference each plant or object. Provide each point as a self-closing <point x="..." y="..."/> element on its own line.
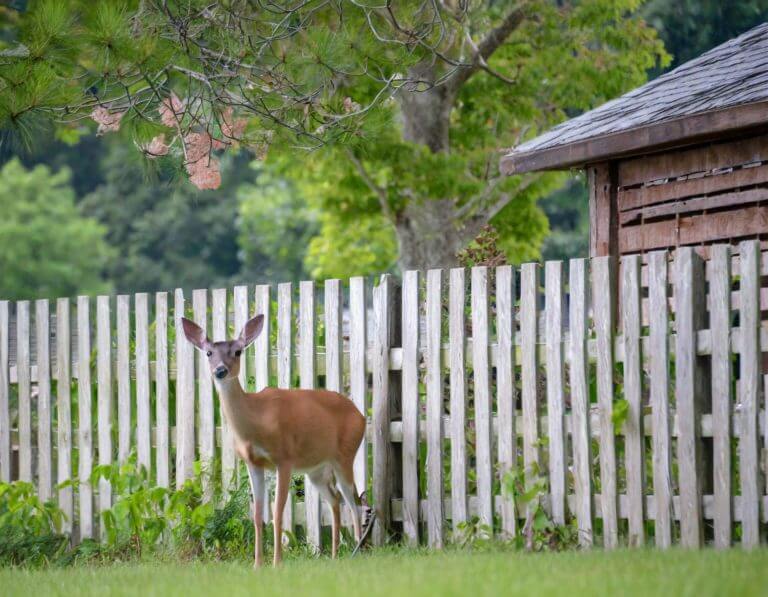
<point x="487" y="46"/>
<point x="380" y="193"/>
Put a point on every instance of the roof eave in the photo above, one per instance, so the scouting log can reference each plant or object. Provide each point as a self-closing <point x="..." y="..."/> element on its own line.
<point x="645" y="139"/>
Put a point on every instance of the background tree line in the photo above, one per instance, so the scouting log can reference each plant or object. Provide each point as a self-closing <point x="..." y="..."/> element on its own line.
<point x="84" y="214"/>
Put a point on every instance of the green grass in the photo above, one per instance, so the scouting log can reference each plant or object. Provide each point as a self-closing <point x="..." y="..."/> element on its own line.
<point x="401" y="574"/>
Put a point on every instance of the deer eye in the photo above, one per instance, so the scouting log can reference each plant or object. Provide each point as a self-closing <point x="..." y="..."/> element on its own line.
<point x="208" y="353"/>
<point x="238" y="353"/>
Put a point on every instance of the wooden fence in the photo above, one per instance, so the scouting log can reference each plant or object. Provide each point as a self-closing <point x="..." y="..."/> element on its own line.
<point x="465" y="376"/>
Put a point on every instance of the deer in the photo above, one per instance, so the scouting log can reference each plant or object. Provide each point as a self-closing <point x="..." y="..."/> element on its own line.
<point x="315" y="432"/>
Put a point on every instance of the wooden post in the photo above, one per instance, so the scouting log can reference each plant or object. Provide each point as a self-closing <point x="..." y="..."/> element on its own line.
<point x="633" y="375"/>
<point x="63" y="403"/>
<point x="603" y="211"/>
<point x="385" y="389"/>
<point x="579" y="376"/>
<point x="162" y="441"/>
<point x="44" y="447"/>
<point x="104" y="397"/>
<point x="750" y="392"/>
<point x="506" y="394"/>
<point x="458" y="399"/>
<point x="435" y="513"/>
<point x="411" y="403"/>
<point x="658" y="285"/>
<point x="689" y="302"/>
<point x="5" y="415"/>
<point x="603" y="289"/>
<point x="722" y="395"/>
<point x="553" y="274"/>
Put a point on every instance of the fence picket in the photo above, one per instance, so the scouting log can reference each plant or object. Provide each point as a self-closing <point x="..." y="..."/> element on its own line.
<point x="633" y="394"/>
<point x="24" y="390"/>
<point x="604" y="289"/>
<point x="553" y="272"/>
<point x="435" y="513"/>
<point x="143" y="423"/>
<point x="410" y="401"/>
<point x="5" y="411"/>
<point x="658" y="285"/>
<point x="262" y="354"/>
<point x="722" y="375"/>
<point x="506" y="395"/>
<point x="84" y="447"/>
<point x="162" y="442"/>
<point x="219" y="334"/>
<point x="688" y="284"/>
<point x="284" y="366"/>
<point x="206" y="430"/>
<point x="123" y="377"/>
<point x="307" y="379"/>
<point x="206" y="440"/>
<point x="529" y="319"/>
<point x="43" y="361"/>
<point x="332" y="308"/>
<point x="261" y="362"/>
<point x="185" y="395"/>
<point x="358" y="376"/>
<point x="750" y="393"/>
<point x="104" y="397"/>
<point x="582" y="457"/>
<point x="380" y="446"/>
<point x="483" y="399"/>
<point x="63" y="404"/>
<point x="458" y="398"/>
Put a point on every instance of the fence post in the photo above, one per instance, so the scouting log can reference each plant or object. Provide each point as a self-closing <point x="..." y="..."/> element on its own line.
<point x="750" y="393"/>
<point x="385" y="389"/>
<point x="604" y="291"/>
<point x="579" y="378"/>
<point x="458" y="398"/>
<point x="43" y="360"/>
<point x="631" y="321"/>
<point x="434" y="382"/>
<point x="506" y="394"/>
<point x="411" y="403"/>
<point x="529" y="356"/>
<point x="689" y="302"/>
<point x="63" y="405"/>
<point x="104" y="397"/>
<point x="722" y="394"/>
<point x="658" y="304"/>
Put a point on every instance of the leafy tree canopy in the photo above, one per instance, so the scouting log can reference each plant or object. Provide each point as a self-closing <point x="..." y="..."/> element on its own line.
<point x="47" y="248"/>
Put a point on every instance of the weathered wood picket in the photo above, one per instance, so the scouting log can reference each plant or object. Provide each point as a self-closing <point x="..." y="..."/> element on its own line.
<point x="634" y="390"/>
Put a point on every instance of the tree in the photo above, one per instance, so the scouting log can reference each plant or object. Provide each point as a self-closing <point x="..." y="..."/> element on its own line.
<point x="47" y="247"/>
<point x="165" y="233"/>
<point x="691" y="27"/>
<point x="409" y="104"/>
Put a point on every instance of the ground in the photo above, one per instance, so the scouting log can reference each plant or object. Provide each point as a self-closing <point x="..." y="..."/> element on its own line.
<point x="678" y="573"/>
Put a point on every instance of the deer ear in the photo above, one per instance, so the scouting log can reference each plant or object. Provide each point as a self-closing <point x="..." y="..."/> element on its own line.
<point x="194" y="333"/>
<point x="251" y="330"/>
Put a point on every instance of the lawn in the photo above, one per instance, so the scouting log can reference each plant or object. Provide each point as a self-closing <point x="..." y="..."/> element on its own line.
<point x="400" y="574"/>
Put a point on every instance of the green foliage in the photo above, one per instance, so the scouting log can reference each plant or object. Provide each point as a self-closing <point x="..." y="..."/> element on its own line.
<point x="691" y="27"/>
<point x="275" y="227"/>
<point x="30" y="530"/>
<point x="47" y="247"/>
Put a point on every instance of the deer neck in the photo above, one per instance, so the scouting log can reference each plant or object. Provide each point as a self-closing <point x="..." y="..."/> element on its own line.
<point x="234" y="402"/>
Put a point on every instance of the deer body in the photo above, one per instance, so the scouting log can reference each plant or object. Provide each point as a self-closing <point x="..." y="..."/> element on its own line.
<point x="316" y="432"/>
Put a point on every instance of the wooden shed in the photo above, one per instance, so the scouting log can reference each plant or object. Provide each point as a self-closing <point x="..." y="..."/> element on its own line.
<point x="682" y="160"/>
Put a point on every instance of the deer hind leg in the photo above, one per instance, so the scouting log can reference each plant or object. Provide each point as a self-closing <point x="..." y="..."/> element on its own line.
<point x="345" y="479"/>
<point x="281" y="495"/>
<point x="323" y="480"/>
<point x="256" y="476"/>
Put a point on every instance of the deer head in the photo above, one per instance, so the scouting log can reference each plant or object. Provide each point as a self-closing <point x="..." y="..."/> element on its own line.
<point x="223" y="357"/>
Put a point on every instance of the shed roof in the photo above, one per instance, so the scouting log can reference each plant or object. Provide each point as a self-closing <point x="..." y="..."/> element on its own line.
<point x="724" y="89"/>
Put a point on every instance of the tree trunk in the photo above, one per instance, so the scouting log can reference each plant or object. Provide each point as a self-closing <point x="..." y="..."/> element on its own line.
<point x="427" y="236"/>
<point x="427" y="231"/>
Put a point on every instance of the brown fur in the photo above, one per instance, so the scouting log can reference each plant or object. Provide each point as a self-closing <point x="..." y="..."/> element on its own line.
<point x="313" y="431"/>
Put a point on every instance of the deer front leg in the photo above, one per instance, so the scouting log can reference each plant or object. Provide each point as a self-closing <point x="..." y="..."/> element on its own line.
<point x="256" y="475"/>
<point x="281" y="495"/>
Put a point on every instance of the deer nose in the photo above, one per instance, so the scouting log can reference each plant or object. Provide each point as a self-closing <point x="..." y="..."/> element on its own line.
<point x="221" y="372"/>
